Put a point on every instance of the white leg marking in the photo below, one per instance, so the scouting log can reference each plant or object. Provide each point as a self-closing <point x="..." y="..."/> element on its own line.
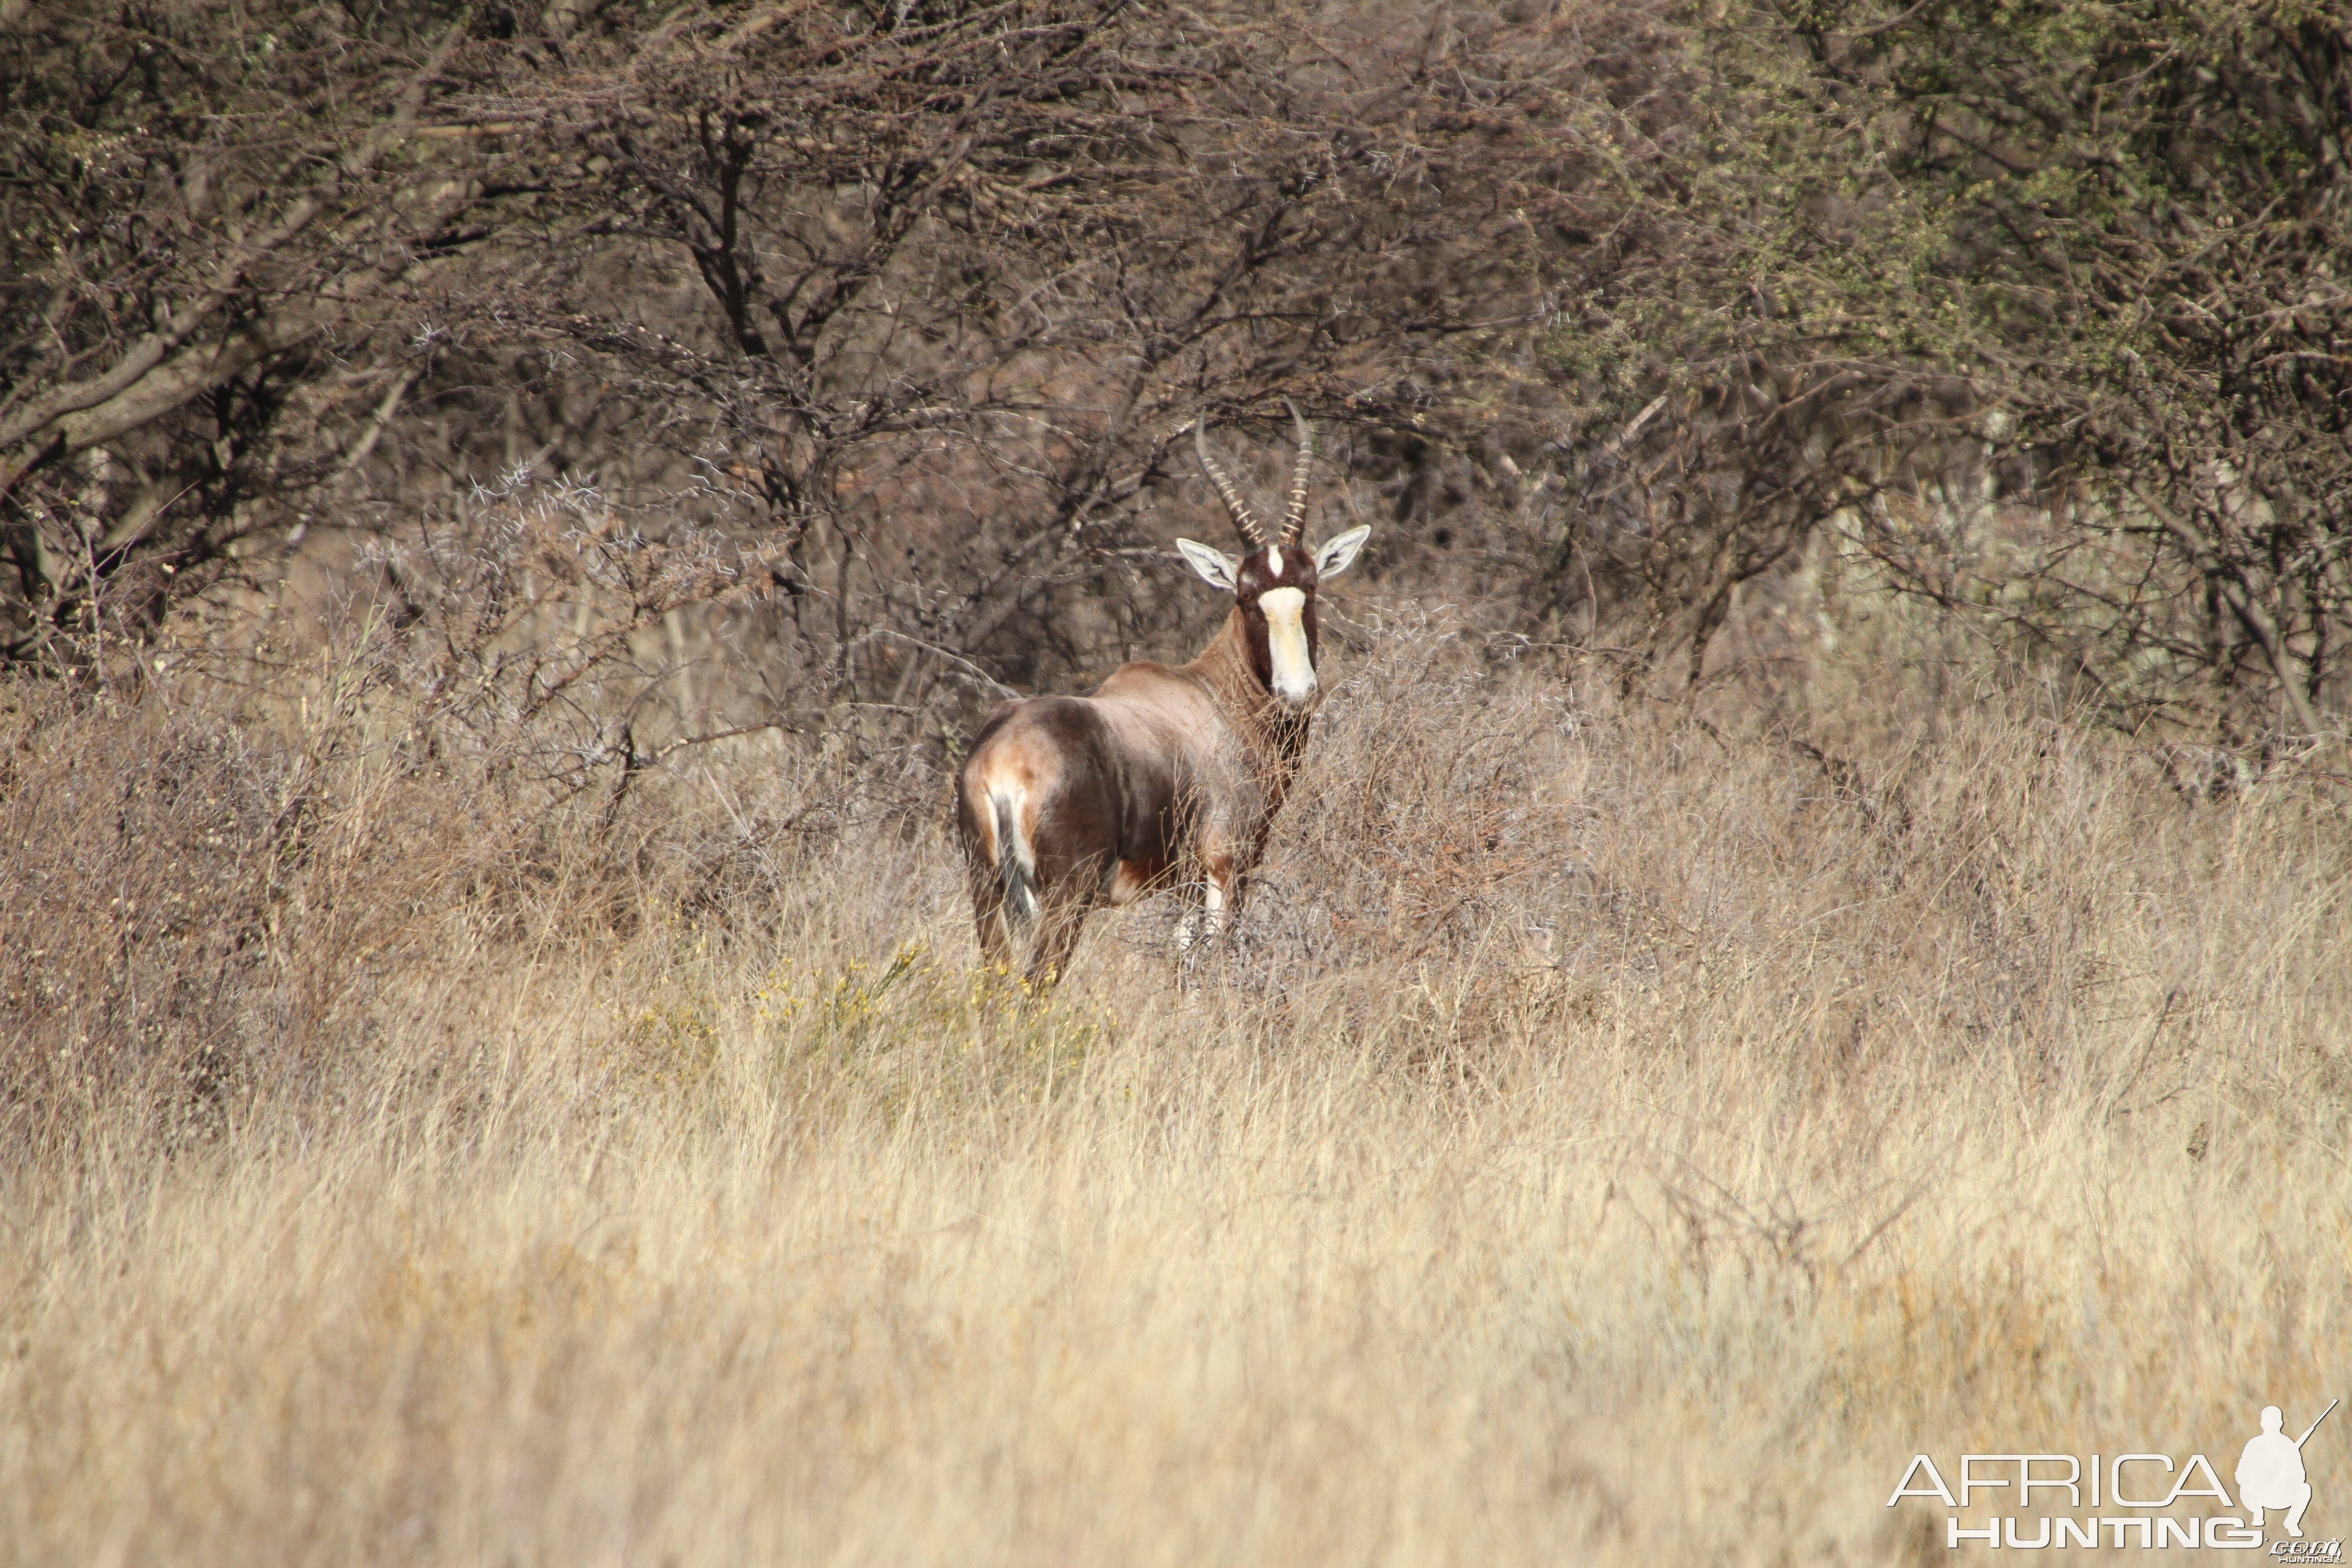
<point x="1201" y="925"/>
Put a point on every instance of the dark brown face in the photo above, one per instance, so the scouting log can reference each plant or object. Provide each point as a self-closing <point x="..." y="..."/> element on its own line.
<point x="1276" y="590"/>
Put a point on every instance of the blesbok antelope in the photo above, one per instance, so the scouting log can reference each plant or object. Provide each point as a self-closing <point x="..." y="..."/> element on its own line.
<point x="1162" y="777"/>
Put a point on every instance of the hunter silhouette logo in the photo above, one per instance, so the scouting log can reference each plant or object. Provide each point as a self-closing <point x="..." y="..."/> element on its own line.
<point x="2132" y="1499"/>
<point x="2270" y="1474"/>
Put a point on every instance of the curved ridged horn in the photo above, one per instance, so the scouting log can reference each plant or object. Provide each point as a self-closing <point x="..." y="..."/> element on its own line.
<point x="1243" y="521"/>
<point x="1296" y="517"/>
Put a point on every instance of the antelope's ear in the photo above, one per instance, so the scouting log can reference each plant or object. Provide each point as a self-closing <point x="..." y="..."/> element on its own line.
<point x="1216" y="568"/>
<point x="1336" y="555"/>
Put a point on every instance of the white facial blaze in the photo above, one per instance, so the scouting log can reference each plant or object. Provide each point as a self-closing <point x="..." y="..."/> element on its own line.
<point x="1274" y="558"/>
<point x="1285" y="640"/>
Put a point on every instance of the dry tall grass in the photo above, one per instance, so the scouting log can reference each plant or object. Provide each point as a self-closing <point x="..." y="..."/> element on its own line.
<point x="1623" y="1134"/>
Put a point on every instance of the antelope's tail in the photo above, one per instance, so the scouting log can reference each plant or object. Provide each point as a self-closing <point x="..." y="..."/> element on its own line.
<point x="1016" y="864"/>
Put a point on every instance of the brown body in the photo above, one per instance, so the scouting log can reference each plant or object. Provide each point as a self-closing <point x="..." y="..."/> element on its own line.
<point x="1162" y="777"/>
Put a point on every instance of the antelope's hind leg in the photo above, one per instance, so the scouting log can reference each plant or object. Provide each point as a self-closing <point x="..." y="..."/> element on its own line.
<point x="989" y="919"/>
<point x="983" y="877"/>
<point x="1058" y="926"/>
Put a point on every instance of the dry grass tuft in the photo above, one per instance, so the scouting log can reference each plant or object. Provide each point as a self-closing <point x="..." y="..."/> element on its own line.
<point x="1622" y="1134"/>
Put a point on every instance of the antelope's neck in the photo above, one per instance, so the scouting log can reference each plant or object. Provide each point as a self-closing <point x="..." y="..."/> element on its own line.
<point x="1276" y="740"/>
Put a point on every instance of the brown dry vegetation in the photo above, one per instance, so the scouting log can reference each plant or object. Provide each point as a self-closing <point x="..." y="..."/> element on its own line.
<point x="1625" y="1132"/>
<point x="1808" y="934"/>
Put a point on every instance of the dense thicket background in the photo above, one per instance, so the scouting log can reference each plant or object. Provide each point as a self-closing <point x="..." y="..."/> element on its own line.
<point x="1628" y="321"/>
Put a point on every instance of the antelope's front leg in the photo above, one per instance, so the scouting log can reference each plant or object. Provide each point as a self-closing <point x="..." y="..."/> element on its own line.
<point x="1205" y="924"/>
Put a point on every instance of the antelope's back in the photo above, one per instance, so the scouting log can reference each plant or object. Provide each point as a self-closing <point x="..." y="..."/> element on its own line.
<point x="1126" y="772"/>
